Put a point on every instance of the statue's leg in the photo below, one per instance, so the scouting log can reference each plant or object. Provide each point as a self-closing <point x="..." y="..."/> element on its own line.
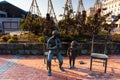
<point x="73" y="62"/>
<point x="59" y="56"/>
<point x="70" y="61"/>
<point x="50" y="55"/>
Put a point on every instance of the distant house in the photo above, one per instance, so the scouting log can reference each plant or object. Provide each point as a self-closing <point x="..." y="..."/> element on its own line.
<point x="12" y="11"/>
<point x="10" y="17"/>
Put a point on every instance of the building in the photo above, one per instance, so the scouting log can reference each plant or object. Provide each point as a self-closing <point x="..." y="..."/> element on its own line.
<point x="90" y="12"/>
<point x="3" y="14"/>
<point x="12" y="11"/>
<point x="8" y="25"/>
<point x="106" y="7"/>
<point x="114" y="7"/>
<point x="111" y="6"/>
<point x="10" y="17"/>
<point x="97" y="5"/>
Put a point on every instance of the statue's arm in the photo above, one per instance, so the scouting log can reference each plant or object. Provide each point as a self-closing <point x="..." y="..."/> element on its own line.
<point x="49" y="47"/>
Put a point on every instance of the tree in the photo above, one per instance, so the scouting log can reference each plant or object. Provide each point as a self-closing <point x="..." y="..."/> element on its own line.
<point x="95" y="23"/>
<point x="34" y="25"/>
<point x="67" y="25"/>
<point x="49" y="25"/>
<point x="80" y="21"/>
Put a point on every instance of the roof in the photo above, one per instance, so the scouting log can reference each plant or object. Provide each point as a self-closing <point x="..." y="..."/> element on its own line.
<point x="9" y="8"/>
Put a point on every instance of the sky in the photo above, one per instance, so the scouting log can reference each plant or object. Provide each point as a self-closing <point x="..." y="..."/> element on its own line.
<point x="57" y="4"/>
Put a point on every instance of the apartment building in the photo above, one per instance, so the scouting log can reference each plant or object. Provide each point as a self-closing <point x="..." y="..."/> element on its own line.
<point x="111" y="6"/>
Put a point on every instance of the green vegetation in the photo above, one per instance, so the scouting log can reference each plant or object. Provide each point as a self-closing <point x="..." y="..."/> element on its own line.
<point x="115" y="38"/>
<point x="5" y="37"/>
<point x="42" y="39"/>
<point x="80" y="28"/>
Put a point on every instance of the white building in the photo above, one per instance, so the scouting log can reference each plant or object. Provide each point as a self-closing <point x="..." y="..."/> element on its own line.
<point x="114" y="6"/>
<point x="90" y="12"/>
<point x="111" y="5"/>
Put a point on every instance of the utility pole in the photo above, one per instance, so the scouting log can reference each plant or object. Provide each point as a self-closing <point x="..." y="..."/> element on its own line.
<point x="51" y="20"/>
<point x="51" y="11"/>
<point x="80" y="7"/>
<point x="33" y="13"/>
<point x="67" y="15"/>
<point x="68" y="10"/>
<point x="34" y="9"/>
<point x="80" y="16"/>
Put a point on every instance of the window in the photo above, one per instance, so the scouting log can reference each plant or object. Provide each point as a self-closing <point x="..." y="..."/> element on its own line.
<point x="2" y="15"/>
<point x="10" y="25"/>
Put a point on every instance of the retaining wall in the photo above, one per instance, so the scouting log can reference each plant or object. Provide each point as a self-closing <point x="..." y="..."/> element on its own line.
<point x="34" y="48"/>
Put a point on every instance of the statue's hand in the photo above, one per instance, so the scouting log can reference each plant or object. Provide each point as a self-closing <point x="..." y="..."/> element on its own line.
<point x="53" y="48"/>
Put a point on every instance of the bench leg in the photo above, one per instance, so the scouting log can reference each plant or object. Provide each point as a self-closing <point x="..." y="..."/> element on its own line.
<point x="44" y="59"/>
<point x="90" y="64"/>
<point x="105" y="65"/>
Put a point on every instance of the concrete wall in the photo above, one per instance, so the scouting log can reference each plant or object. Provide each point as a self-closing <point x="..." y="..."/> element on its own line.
<point x="84" y="48"/>
<point x="25" y="48"/>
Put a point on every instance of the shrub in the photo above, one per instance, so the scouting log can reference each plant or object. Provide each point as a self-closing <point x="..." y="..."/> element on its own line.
<point x="14" y="37"/>
<point x="11" y="40"/>
<point x="67" y="38"/>
<point x="5" y="37"/>
<point x="24" y="36"/>
<point x="115" y="38"/>
<point x="83" y="40"/>
<point x="42" y="39"/>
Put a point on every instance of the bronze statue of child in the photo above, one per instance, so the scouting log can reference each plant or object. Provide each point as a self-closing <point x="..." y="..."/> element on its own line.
<point x="72" y="53"/>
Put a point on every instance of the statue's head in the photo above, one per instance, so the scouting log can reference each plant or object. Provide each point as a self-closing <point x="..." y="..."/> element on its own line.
<point x="55" y="33"/>
<point x="74" y="43"/>
<point x="48" y="16"/>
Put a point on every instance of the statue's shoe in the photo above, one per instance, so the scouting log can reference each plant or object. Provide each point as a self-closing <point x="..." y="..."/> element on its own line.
<point x="49" y="73"/>
<point x="62" y="69"/>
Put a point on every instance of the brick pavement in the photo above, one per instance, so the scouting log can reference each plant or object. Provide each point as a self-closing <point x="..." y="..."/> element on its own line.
<point x="33" y="68"/>
<point x="5" y="58"/>
<point x="9" y="64"/>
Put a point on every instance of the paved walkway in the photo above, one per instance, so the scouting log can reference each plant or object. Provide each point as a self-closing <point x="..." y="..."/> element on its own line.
<point x="15" y="67"/>
<point x="9" y="64"/>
